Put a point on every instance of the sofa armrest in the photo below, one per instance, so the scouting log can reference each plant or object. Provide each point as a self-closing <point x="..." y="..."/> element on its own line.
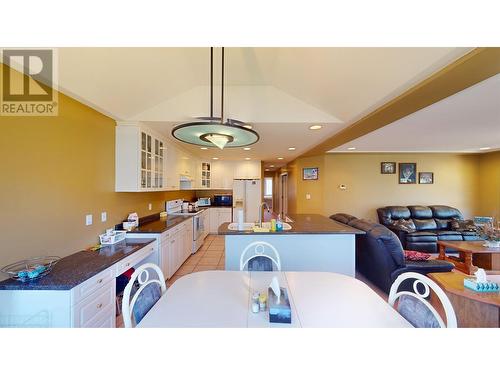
<point x="399" y="232"/>
<point x="423" y="267"/>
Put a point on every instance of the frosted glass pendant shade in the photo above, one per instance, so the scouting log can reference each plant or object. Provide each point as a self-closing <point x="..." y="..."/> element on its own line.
<point x="218" y="139"/>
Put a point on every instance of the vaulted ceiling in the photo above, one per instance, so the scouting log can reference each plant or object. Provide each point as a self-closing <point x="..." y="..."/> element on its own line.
<point x="280" y="91"/>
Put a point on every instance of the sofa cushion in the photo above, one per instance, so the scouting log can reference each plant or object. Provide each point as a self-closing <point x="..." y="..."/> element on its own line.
<point x="425" y="224"/>
<point x="420" y="212"/>
<point x="443" y="224"/>
<point x="390" y="242"/>
<point x="416" y="255"/>
<point x="470" y="236"/>
<point x="445" y="212"/>
<point x="343" y="218"/>
<point x="387" y="215"/>
<point x="421" y="236"/>
<point x="449" y="235"/>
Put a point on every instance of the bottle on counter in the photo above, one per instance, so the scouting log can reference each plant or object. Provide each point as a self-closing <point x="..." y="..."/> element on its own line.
<point x="273" y="225"/>
<point x="255" y="303"/>
<point x="279" y="224"/>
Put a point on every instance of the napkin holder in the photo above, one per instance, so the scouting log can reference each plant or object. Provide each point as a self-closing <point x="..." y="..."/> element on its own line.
<point x="279" y="312"/>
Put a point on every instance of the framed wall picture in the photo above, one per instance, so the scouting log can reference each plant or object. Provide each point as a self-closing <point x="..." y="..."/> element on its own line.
<point x="388" y="167"/>
<point x="407" y="173"/>
<point x="310" y="173"/>
<point x="426" y="178"/>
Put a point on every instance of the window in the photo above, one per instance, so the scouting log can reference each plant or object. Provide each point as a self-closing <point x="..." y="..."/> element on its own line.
<point x="268" y="187"/>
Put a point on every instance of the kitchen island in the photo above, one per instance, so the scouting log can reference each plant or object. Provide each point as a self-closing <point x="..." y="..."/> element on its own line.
<point x="314" y="243"/>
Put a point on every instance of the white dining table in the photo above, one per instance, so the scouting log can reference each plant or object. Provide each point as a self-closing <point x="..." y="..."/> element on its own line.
<point x="222" y="299"/>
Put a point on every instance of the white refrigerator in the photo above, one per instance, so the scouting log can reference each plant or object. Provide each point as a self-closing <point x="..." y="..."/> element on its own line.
<point x="247" y="196"/>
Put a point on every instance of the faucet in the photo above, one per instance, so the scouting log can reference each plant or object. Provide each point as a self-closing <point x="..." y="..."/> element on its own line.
<point x="261" y="207"/>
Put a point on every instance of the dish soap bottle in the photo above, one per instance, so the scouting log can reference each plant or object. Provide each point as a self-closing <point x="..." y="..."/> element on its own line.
<point x="279" y="224"/>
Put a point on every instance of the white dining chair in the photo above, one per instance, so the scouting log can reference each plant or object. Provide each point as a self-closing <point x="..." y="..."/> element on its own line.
<point x="415" y="307"/>
<point x="260" y="249"/>
<point x="150" y="290"/>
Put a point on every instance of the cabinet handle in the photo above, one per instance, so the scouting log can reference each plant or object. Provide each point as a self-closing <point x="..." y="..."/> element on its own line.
<point x="128" y="264"/>
<point x="99" y="281"/>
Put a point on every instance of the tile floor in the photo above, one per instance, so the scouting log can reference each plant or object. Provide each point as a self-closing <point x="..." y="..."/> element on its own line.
<point x="209" y="257"/>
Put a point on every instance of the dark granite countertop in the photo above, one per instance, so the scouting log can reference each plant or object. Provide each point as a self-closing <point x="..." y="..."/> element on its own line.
<point x="79" y="267"/>
<point x="302" y="224"/>
<point x="161" y="224"/>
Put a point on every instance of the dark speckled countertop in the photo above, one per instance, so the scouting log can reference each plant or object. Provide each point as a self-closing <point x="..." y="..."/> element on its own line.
<point x="302" y="224"/>
<point x="76" y="268"/>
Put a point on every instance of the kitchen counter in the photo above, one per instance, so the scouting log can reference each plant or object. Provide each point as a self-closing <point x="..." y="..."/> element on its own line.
<point x="161" y="224"/>
<point x="302" y="224"/>
<point x="74" y="269"/>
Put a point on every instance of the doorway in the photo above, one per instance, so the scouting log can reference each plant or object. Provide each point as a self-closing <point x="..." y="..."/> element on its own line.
<point x="284" y="195"/>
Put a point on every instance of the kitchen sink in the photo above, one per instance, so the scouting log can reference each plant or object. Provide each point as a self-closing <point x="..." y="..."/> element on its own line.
<point x="250" y="226"/>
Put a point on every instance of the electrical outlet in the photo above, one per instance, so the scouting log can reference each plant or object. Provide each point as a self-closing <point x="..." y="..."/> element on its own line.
<point x="150" y="206"/>
<point x="104" y="216"/>
<point x="308" y="196"/>
<point x="88" y="219"/>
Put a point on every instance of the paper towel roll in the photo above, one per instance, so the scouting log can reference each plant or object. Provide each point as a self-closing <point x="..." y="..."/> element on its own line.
<point x="240" y="219"/>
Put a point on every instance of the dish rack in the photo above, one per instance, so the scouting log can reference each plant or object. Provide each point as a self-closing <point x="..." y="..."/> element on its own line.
<point x="113" y="237"/>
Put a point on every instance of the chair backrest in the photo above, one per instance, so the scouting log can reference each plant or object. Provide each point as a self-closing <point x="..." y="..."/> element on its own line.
<point x="150" y="290"/>
<point x="414" y="306"/>
<point x="262" y="250"/>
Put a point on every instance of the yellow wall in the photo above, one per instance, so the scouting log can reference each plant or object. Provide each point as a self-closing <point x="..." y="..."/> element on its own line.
<point x="54" y="171"/>
<point x="455" y="183"/>
<point x="489" y="185"/>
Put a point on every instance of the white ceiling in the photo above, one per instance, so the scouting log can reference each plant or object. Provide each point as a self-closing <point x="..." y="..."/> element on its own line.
<point x="280" y="91"/>
<point x="464" y="122"/>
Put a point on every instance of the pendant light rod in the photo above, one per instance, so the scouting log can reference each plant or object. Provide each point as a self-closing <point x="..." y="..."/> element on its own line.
<point x="222" y="91"/>
<point x="211" y="81"/>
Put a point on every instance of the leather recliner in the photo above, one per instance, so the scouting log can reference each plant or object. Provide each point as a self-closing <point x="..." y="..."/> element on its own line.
<point x="380" y="257"/>
<point x="432" y="223"/>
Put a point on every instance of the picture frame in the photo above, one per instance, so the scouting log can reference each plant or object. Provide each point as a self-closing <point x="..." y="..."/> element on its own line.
<point x="407" y="173"/>
<point x="388" y="167"/>
<point x="310" y="173"/>
<point x="426" y="177"/>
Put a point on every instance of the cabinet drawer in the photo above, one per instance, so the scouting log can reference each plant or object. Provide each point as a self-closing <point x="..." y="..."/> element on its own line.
<point x="96" y="306"/>
<point x="135" y="258"/>
<point x="91" y="285"/>
<point x="104" y="319"/>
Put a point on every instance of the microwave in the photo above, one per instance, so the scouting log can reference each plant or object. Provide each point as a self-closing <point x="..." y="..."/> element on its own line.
<point x="203" y="202"/>
<point x="223" y="200"/>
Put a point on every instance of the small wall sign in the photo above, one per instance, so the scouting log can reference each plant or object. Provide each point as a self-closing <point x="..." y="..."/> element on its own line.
<point x="310" y="173"/>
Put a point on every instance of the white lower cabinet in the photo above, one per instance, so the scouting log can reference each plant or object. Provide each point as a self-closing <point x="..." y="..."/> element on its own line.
<point x="219" y="215"/>
<point x="180" y="245"/>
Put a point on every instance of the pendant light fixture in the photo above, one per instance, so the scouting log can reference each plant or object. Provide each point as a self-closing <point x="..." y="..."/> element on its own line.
<point x="215" y="131"/>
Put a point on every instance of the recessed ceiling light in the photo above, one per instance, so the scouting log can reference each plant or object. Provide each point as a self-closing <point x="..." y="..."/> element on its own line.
<point x="267" y="170"/>
<point x="315" y="127"/>
<point x="248" y="126"/>
<point x="272" y="166"/>
<point x="204" y="148"/>
<point x="351" y="148"/>
<point x="291" y="148"/>
<point x="247" y="158"/>
<point x="247" y="148"/>
<point x="485" y="148"/>
<point x="215" y="158"/>
<point x="280" y="158"/>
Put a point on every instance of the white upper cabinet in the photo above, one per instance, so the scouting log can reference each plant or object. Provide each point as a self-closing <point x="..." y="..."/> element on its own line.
<point x="248" y="170"/>
<point x="140" y="159"/>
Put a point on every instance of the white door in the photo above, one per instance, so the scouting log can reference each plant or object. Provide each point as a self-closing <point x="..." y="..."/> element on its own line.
<point x="252" y="200"/>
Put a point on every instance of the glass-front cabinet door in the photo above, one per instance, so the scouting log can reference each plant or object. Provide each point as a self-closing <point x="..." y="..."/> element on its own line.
<point x="151" y="162"/>
<point x="205" y="175"/>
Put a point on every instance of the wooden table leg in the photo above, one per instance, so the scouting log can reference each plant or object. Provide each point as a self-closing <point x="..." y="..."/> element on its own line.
<point x="469" y="267"/>
<point x="442" y="252"/>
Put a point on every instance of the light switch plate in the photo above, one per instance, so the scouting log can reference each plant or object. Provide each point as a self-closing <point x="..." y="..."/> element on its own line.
<point x="308" y="196"/>
<point x="104" y="216"/>
<point x="88" y="219"/>
<point x="150" y="207"/>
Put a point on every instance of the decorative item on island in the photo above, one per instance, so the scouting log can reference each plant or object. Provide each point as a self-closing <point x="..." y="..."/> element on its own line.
<point x="279" y="305"/>
<point x="30" y="269"/>
<point x="112" y="236"/>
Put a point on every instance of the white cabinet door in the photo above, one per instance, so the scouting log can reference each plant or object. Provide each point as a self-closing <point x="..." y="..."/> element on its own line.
<point x="172" y="172"/>
<point x="224" y="216"/>
<point x="247" y="170"/>
<point x="165" y="254"/>
<point x="214" y="219"/>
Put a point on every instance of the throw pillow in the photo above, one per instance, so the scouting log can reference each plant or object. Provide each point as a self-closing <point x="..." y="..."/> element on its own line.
<point x="416" y="255"/>
<point x="407" y="226"/>
<point x="463" y="225"/>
